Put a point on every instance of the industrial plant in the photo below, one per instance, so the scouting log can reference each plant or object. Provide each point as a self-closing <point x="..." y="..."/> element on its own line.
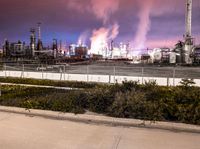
<point x="184" y="52"/>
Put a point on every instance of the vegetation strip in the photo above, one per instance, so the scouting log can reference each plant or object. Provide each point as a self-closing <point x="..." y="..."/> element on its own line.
<point x="127" y="100"/>
<point x="71" y="84"/>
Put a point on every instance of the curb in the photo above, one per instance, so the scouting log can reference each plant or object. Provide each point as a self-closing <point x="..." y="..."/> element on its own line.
<point x="41" y="86"/>
<point x="104" y="120"/>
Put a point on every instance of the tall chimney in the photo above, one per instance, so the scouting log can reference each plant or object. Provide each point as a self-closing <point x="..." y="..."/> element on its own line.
<point x="32" y="41"/>
<point x="188" y="19"/>
<point x="188" y="46"/>
<point x="39" y="31"/>
<point x="39" y="44"/>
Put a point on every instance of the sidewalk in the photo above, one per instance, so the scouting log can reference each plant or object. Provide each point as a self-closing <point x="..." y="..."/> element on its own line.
<point x="41" y="86"/>
<point x="104" y="120"/>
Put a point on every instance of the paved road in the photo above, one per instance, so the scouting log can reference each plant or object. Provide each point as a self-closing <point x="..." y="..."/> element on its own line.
<point x="24" y="132"/>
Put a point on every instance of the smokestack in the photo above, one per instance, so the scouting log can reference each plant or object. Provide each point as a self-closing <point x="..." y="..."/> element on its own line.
<point x="188" y="18"/>
<point x="32" y="41"/>
<point x="188" y="46"/>
<point x="55" y="48"/>
<point x="39" y="44"/>
<point x="39" y="31"/>
<point x="60" y="48"/>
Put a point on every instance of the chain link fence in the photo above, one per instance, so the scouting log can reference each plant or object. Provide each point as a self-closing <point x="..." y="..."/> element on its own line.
<point x="113" y="72"/>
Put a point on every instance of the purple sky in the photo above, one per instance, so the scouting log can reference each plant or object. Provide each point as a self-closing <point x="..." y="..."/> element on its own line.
<point x="67" y="19"/>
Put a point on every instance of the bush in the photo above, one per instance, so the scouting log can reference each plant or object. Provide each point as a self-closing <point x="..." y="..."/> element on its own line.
<point x="100" y="99"/>
<point x="126" y="100"/>
<point x="134" y="105"/>
<point x="187" y="82"/>
<point x="74" y="102"/>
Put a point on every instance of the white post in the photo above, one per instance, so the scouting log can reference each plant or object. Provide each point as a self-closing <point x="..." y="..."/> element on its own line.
<point x="42" y="73"/>
<point x="142" y="75"/>
<point x="87" y="73"/>
<point x="114" y="72"/>
<point x="60" y="69"/>
<point x="64" y="71"/>
<point x="174" y="75"/>
<point x="167" y="81"/>
<point x="22" y="74"/>
<point x="68" y="71"/>
<point x="5" y="70"/>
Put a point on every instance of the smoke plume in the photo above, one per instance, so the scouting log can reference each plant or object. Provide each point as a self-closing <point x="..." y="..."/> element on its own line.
<point x="83" y="38"/>
<point x="101" y="37"/>
<point x="103" y="9"/>
<point x="144" y="24"/>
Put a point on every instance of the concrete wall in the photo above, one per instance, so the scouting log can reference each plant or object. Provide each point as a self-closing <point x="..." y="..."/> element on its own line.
<point x="92" y="78"/>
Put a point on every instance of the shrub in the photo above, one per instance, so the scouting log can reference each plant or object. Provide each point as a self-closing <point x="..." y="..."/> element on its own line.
<point x="126" y="100"/>
<point x="100" y="99"/>
<point x="134" y="105"/>
<point x="187" y="82"/>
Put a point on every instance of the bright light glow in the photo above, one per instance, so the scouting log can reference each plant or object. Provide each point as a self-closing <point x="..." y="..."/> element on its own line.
<point x="101" y="38"/>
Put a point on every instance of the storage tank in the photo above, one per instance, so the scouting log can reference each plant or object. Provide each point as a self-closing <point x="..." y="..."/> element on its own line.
<point x="172" y="58"/>
<point x="157" y="55"/>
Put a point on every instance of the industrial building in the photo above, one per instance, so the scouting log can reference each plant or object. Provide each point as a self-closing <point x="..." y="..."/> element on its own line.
<point x="16" y="50"/>
<point x="34" y="51"/>
<point x="184" y="52"/>
<point x="78" y="51"/>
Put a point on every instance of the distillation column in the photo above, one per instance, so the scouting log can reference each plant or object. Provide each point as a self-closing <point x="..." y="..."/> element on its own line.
<point x="39" y="44"/>
<point x="187" y="50"/>
<point x="32" y="41"/>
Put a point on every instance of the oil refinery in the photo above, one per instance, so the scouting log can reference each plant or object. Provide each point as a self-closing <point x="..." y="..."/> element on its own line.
<point x="184" y="52"/>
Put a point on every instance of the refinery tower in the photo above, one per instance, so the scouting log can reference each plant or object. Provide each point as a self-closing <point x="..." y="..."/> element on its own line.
<point x="188" y="43"/>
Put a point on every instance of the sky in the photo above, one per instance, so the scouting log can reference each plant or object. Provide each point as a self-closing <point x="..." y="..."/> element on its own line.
<point x="142" y="23"/>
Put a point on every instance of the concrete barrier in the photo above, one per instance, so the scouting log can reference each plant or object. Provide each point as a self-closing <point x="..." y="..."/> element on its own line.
<point x="93" y="78"/>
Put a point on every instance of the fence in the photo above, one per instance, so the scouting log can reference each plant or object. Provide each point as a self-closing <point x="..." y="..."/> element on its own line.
<point x="167" y="76"/>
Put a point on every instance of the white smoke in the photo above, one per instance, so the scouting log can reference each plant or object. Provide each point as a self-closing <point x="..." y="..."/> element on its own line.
<point x="144" y="25"/>
<point x="148" y="9"/>
<point x="101" y="37"/>
<point x="103" y="9"/>
<point x="115" y="31"/>
<point x="83" y="38"/>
